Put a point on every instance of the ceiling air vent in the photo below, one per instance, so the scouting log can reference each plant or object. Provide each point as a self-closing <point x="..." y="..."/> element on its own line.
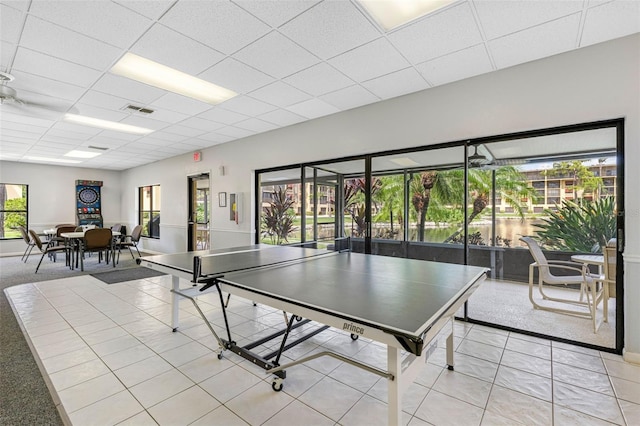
<point x="135" y="108"/>
<point x="101" y="148"/>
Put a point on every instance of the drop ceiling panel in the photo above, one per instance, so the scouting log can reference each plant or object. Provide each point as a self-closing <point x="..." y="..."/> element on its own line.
<point x="167" y="136"/>
<point x="396" y="84"/>
<point x="235" y="132"/>
<point x="597" y="25"/>
<point x="30" y="87"/>
<point x="180" y="104"/>
<point x="37" y="63"/>
<point x="25" y="119"/>
<point x="170" y="48"/>
<point x="213" y="139"/>
<point x="164" y="115"/>
<point x="372" y="60"/>
<point x="350" y="97"/>
<point x="256" y="125"/>
<point x="439" y="34"/>
<point x="7" y="52"/>
<point x="63" y="43"/>
<point x="152" y="9"/>
<point x="282" y="117"/>
<point x="499" y="18"/>
<point x="247" y="105"/>
<point x="21" y="127"/>
<point x="221" y="25"/>
<point x="236" y="76"/>
<point x="313" y="108"/>
<point x="148" y="123"/>
<point x="275" y="13"/>
<point x="180" y="130"/>
<point x="117" y="25"/>
<point x="202" y="124"/>
<point x="537" y="42"/>
<point x="319" y="79"/>
<point x="128" y="89"/>
<point x="11" y="20"/>
<point x="73" y="131"/>
<point x="101" y="113"/>
<point x="280" y="94"/>
<point x="8" y="133"/>
<point x="223" y="116"/>
<point x="330" y="28"/>
<point x="276" y="55"/>
<point x="456" y="66"/>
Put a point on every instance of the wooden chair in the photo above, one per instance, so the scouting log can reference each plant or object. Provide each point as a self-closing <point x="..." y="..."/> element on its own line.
<point x="131" y="241"/>
<point x="580" y="276"/>
<point x="30" y="244"/>
<point x="49" y="249"/>
<point x="98" y="240"/>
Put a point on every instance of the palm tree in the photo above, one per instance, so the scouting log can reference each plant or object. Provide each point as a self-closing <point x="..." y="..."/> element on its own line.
<point x="439" y="187"/>
<point x="511" y="185"/>
<point x="389" y="200"/>
<point x="354" y="201"/>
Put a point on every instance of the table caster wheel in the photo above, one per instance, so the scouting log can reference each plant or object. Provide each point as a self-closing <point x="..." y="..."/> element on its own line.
<point x="277" y="385"/>
<point x="220" y="355"/>
<point x="354" y="336"/>
<point x="298" y="318"/>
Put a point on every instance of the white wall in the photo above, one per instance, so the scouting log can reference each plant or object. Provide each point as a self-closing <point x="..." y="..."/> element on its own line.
<point x="52" y="195"/>
<point x="594" y="83"/>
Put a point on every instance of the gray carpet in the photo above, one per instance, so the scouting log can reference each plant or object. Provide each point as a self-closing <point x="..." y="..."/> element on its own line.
<point x="24" y="397"/>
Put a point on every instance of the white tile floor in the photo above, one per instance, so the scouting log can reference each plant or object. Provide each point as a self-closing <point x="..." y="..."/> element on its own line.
<point x="111" y="358"/>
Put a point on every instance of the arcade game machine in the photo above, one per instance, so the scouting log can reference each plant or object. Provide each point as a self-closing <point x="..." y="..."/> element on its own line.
<point x="88" y="208"/>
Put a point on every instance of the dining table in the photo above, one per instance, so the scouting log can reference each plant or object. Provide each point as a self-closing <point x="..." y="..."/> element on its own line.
<point x="73" y="241"/>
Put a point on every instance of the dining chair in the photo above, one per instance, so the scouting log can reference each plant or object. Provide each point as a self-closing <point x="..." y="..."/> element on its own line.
<point x="98" y="240"/>
<point x="131" y="241"/>
<point x="27" y="239"/>
<point x="47" y="249"/>
<point x="578" y="275"/>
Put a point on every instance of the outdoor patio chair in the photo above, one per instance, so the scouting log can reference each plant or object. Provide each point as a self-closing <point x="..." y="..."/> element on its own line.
<point x="49" y="249"/>
<point x="580" y="276"/>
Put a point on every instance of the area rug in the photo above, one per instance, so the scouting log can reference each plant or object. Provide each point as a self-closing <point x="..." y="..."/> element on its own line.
<point x="128" y="274"/>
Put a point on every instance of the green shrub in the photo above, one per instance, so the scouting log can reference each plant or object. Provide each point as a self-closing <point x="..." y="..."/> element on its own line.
<point x="584" y="227"/>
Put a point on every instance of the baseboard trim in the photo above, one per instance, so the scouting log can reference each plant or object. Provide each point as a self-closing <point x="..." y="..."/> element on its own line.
<point x="631" y="357"/>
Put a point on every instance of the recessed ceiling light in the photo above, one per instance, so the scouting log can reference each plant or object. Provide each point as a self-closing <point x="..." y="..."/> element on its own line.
<point x="154" y="74"/>
<point x="393" y="13"/>
<point x="82" y="154"/>
<point x="52" y="160"/>
<point x="105" y="124"/>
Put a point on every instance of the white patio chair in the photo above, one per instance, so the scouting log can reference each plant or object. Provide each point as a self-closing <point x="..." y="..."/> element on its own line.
<point x="580" y="276"/>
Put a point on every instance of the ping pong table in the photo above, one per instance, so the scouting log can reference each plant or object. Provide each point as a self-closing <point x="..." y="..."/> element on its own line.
<point x="402" y="303"/>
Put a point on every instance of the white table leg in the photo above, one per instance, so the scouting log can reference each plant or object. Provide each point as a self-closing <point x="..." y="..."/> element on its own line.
<point x="450" y="348"/>
<point x="394" y="389"/>
<point x="175" y="302"/>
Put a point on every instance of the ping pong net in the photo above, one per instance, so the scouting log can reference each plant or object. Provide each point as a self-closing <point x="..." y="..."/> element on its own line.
<point x="208" y="268"/>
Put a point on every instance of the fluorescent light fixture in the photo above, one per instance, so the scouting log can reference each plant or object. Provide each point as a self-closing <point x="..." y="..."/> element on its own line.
<point x="393" y="13"/>
<point x="52" y="160"/>
<point x="154" y="74"/>
<point x="82" y="154"/>
<point x="105" y="124"/>
<point x="404" y="161"/>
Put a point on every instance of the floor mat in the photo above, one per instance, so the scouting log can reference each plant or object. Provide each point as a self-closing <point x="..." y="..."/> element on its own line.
<point x="129" y="274"/>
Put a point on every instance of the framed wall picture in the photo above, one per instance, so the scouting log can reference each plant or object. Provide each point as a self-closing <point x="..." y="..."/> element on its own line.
<point x="222" y="199"/>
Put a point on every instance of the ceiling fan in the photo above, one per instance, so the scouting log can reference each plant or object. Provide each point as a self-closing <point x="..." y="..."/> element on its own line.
<point x="478" y="160"/>
<point x="10" y="101"/>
